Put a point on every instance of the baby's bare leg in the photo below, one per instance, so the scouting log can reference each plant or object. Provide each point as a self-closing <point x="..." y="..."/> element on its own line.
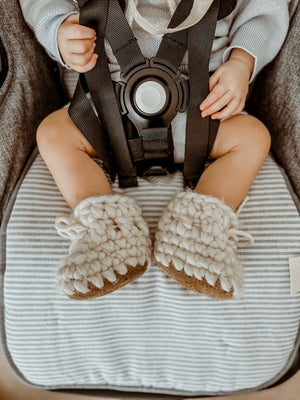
<point x="199" y="253"/>
<point x="110" y="244"/>
<point x="240" y="149"/>
<point x="68" y="156"/>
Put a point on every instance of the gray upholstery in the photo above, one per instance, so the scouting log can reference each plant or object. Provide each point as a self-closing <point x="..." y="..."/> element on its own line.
<point x="29" y="93"/>
<point x="277" y="92"/>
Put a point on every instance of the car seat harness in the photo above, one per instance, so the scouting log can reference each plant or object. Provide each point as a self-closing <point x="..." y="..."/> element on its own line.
<point x="131" y="128"/>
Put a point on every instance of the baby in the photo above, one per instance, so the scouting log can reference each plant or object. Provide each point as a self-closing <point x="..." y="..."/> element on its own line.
<point x="198" y="233"/>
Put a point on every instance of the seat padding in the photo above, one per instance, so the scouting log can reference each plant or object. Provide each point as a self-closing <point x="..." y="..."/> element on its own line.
<point x="152" y="335"/>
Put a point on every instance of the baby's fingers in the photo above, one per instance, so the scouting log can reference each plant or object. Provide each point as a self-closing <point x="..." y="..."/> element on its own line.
<point x="217" y="92"/>
<point x="217" y="105"/>
<point x="80" y="65"/>
<point x="83" y="46"/>
<point x="73" y="30"/>
<point x="233" y="107"/>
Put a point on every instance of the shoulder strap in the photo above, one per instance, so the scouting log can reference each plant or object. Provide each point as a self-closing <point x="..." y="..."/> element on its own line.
<point x="200" y="132"/>
<point x="174" y="45"/>
<point x="226" y="8"/>
<point x="109" y="130"/>
<point x="198" y="40"/>
<point x="122" y="4"/>
<point x="122" y="40"/>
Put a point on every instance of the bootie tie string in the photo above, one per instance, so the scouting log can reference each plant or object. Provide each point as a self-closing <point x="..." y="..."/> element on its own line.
<point x="236" y="234"/>
<point x="69" y="228"/>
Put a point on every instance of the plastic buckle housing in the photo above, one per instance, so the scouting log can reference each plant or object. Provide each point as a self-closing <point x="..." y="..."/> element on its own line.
<point x="153" y="78"/>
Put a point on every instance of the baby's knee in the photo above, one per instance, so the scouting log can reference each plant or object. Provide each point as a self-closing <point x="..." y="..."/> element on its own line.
<point x="57" y="132"/>
<point x="255" y="136"/>
<point x="49" y="133"/>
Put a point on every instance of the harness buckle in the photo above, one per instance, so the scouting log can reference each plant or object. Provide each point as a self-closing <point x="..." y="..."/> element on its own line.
<point x="152" y="93"/>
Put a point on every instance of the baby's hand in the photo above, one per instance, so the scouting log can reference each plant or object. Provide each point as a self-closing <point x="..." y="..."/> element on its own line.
<point x="229" y="86"/>
<point x="76" y="44"/>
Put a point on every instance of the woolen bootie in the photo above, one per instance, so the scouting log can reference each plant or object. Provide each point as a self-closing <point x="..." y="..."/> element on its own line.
<point x="196" y="243"/>
<point x="110" y="246"/>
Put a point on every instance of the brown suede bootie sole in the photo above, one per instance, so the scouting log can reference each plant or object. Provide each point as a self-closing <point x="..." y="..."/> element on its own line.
<point x="201" y="287"/>
<point x="133" y="273"/>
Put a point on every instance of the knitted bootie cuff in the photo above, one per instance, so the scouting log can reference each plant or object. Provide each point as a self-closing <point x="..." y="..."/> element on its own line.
<point x="110" y="246"/>
<point x="196" y="244"/>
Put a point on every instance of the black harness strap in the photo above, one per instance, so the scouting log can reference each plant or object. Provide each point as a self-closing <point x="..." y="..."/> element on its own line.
<point x="174" y="45"/>
<point x="198" y="40"/>
<point x="84" y="117"/>
<point x="88" y="123"/>
<point x="226" y="8"/>
<point x="200" y="132"/>
<point x="94" y="14"/>
<point x="123" y="42"/>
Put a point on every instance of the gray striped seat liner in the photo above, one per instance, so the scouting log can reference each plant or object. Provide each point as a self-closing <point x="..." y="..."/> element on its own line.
<point x="152" y="335"/>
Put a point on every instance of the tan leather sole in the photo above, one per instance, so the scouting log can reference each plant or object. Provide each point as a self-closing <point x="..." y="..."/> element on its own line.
<point x="132" y="274"/>
<point x="192" y="283"/>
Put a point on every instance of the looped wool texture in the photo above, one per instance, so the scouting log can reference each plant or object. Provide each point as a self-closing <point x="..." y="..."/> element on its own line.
<point x="108" y="234"/>
<point x="199" y="234"/>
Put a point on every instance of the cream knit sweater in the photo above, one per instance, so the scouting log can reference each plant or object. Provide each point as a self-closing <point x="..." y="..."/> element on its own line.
<point x="256" y="26"/>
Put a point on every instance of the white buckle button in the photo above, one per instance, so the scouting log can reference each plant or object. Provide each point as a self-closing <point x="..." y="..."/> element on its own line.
<point x="150" y="97"/>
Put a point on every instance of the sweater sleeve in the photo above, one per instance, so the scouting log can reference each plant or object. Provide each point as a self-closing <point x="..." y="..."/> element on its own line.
<point x="44" y="17"/>
<point x="259" y="27"/>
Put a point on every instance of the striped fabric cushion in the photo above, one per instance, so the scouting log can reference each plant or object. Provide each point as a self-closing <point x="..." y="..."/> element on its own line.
<point x="152" y="335"/>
